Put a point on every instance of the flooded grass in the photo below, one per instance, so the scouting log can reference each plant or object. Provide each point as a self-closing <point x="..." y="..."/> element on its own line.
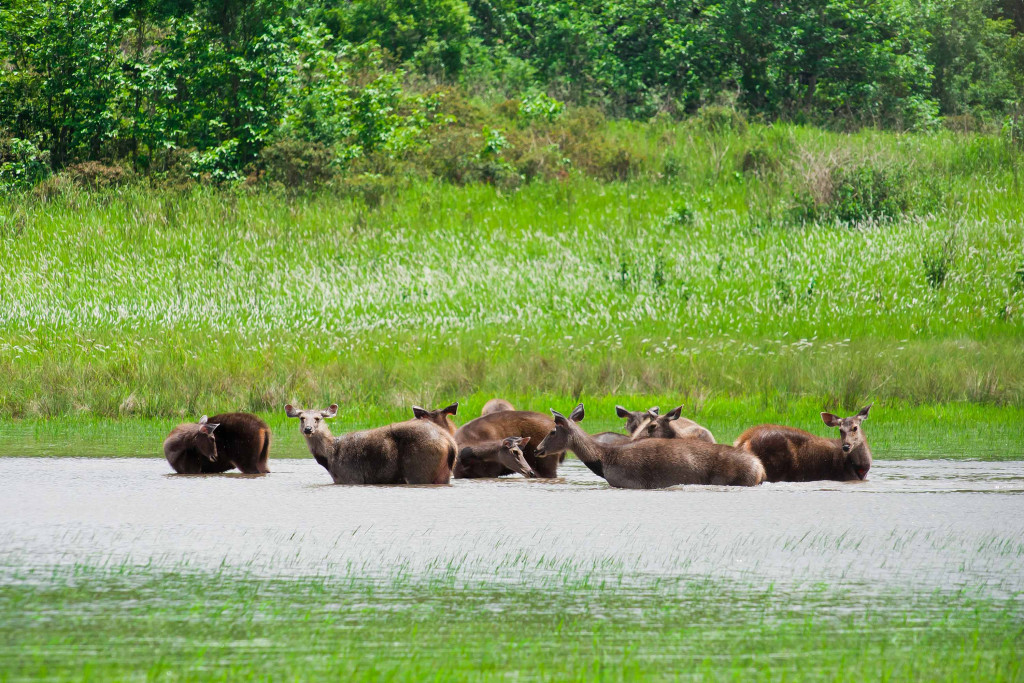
<point x="158" y="623"/>
<point x="116" y="569"/>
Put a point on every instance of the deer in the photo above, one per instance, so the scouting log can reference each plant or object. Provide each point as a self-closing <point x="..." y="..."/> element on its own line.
<point x="670" y="426"/>
<point x="410" y="452"/>
<point x="441" y="417"/>
<point x="653" y="463"/>
<point x="506" y="452"/>
<point x="500" y="425"/>
<point x="791" y="454"/>
<point x="241" y="441"/>
<point x="496" y="405"/>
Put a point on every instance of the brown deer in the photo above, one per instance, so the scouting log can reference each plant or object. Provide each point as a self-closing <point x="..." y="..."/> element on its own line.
<point x="653" y="463"/>
<point x="633" y="418"/>
<point x="498" y="426"/>
<point x="411" y="452"/>
<point x="791" y="454"/>
<point x="496" y="405"/>
<point x="242" y="441"/>
<point x="611" y="438"/>
<point x="507" y="453"/>
<point x="441" y="417"/>
<point x="671" y="426"/>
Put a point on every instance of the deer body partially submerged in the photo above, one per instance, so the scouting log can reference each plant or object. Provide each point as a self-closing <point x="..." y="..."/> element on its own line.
<point x="507" y="452"/>
<point x="654" y="463"/>
<point x="671" y="425"/>
<point x="220" y="443"/>
<point x="791" y="454"/>
<point x="498" y="426"/>
<point x="412" y="452"/>
<point x="441" y="417"/>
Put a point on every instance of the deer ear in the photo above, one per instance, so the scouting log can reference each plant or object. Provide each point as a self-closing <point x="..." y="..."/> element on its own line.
<point x="863" y="414"/>
<point x="621" y="412"/>
<point x="830" y="420"/>
<point x="559" y="418"/>
<point x="453" y="409"/>
<point x="524" y="440"/>
<point x="674" y="414"/>
<point x="418" y="412"/>
<point x="330" y="412"/>
<point x="653" y="410"/>
<point x="290" y="411"/>
<point x="577" y="413"/>
<point x="204" y="419"/>
<point x="208" y="427"/>
<point x="508" y="442"/>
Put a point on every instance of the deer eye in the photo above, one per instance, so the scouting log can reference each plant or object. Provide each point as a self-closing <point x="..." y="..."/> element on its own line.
<point x="853" y="429"/>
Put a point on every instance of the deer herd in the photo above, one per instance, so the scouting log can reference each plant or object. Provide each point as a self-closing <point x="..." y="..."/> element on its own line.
<point x="658" y="451"/>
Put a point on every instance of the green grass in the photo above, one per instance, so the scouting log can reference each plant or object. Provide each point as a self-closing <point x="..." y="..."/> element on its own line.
<point x="697" y="285"/>
<point x="896" y="431"/>
<point x="131" y="623"/>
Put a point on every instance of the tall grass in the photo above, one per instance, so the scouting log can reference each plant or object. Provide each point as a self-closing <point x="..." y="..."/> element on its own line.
<point x="700" y="277"/>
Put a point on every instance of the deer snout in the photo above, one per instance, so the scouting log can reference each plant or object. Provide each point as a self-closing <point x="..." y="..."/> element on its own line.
<point x="307" y="430"/>
<point x="846" y="448"/>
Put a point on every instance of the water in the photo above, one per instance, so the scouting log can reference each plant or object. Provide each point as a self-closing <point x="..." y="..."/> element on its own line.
<point x="926" y="524"/>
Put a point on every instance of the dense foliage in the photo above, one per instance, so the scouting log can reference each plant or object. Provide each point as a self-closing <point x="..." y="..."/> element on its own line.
<point x="218" y="90"/>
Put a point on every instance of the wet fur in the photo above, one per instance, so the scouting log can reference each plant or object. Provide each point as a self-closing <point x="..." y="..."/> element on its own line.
<point x="497" y="426"/>
<point x="243" y="442"/>
<point x="791" y="454"/>
<point x="412" y="452"/>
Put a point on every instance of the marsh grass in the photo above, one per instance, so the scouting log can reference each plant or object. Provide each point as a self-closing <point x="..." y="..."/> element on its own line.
<point x="86" y="623"/>
<point x="896" y="431"/>
<point x="697" y="283"/>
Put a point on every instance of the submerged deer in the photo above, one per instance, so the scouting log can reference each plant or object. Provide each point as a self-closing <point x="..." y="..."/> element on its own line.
<point x="791" y="454"/>
<point x="412" y="452"/>
<point x="496" y="405"/>
<point x="653" y="463"/>
<point x="242" y="441"/>
<point x="441" y="417"/>
<point x="507" y="452"/>
<point x="671" y="426"/>
<point x="497" y="426"/>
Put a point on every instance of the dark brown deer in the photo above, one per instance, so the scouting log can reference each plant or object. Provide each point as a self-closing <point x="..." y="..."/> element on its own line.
<point x="633" y="418"/>
<point x="671" y="426"/>
<point x="496" y="405"/>
<point x="507" y="453"/>
<point x="498" y="426"/>
<point x="653" y="463"/>
<point x="412" y="452"/>
<point x="242" y="441"/>
<point x="791" y="454"/>
<point x="441" y="417"/>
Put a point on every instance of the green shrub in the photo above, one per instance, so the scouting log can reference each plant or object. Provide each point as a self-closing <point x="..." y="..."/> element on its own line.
<point x="96" y="176"/>
<point x="720" y="120"/>
<point x="297" y="163"/>
<point x="22" y="164"/>
<point x="856" y="192"/>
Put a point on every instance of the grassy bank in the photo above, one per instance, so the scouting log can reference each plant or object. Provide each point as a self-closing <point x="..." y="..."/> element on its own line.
<point x="896" y="431"/>
<point x="149" y="623"/>
<point x="761" y="266"/>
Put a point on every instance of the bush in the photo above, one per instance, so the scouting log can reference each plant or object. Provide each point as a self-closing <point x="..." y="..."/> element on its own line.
<point x="854" y="193"/>
<point x="720" y="120"/>
<point x="96" y="176"/>
<point x="22" y="164"/>
<point x="297" y="163"/>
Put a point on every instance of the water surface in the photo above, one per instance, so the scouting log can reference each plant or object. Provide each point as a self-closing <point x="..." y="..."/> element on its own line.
<point x="926" y="524"/>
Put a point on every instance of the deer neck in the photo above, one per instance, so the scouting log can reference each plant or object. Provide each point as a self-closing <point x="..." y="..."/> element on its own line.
<point x="321" y="444"/>
<point x="585" y="447"/>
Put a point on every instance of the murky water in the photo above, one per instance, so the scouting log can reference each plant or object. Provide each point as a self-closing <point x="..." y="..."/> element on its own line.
<point x="921" y="524"/>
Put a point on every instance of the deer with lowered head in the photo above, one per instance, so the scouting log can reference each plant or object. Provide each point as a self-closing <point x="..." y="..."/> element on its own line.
<point x="218" y="444"/>
<point x="507" y="452"/>
<point x="532" y="427"/>
<point x="670" y="426"/>
<point x="411" y="452"/>
<point x="653" y="463"/>
<point x="791" y="454"/>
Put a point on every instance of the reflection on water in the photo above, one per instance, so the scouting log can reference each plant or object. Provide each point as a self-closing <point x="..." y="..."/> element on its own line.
<point x="924" y="524"/>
